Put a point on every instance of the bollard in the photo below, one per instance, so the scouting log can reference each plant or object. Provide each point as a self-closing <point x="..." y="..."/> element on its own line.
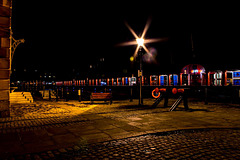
<point x="67" y="96"/>
<point x="182" y="96"/>
<point x="62" y="93"/>
<point x="57" y="94"/>
<point x="159" y="94"/>
<point x="185" y="102"/>
<point x="79" y="95"/>
<point x="49" y="94"/>
<point x="166" y="100"/>
<point x="43" y="91"/>
<point x="131" y="93"/>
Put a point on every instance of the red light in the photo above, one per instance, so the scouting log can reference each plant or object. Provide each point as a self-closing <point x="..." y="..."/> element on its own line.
<point x="196" y="71"/>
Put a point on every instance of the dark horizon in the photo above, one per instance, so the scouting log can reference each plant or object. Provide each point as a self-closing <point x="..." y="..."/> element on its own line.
<point x="65" y="40"/>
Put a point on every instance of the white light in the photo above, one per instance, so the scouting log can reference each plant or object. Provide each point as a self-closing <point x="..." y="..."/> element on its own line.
<point x="140" y="41"/>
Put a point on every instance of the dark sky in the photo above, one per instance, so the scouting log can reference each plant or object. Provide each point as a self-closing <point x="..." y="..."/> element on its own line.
<point x="67" y="37"/>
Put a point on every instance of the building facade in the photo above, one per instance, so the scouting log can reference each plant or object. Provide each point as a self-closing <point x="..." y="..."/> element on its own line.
<point x="5" y="56"/>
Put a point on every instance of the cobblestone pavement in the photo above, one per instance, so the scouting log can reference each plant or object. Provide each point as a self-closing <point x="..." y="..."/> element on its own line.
<point x="193" y="144"/>
<point x="50" y="130"/>
<point x="184" y="144"/>
<point x="43" y="114"/>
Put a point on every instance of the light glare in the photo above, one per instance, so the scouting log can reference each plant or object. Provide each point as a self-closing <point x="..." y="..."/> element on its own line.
<point x="140" y="41"/>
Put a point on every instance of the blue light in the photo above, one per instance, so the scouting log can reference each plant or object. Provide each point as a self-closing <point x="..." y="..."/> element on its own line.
<point x="103" y="83"/>
<point x="162" y="80"/>
<point x="126" y="80"/>
<point x="236" y="82"/>
<point x="175" y="79"/>
<point x="236" y="74"/>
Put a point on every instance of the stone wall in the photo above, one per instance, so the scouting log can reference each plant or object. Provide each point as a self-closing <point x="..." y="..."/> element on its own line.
<point x="5" y="64"/>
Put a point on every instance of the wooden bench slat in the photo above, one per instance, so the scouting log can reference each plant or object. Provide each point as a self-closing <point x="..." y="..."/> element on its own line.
<point x="101" y="96"/>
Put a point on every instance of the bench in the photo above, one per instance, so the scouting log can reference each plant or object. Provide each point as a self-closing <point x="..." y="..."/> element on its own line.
<point x="101" y="97"/>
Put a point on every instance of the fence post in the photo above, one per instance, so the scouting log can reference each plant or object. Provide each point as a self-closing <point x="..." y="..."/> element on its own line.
<point x="206" y="96"/>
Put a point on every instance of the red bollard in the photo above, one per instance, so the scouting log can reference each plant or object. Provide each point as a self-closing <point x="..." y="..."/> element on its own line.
<point x="174" y="90"/>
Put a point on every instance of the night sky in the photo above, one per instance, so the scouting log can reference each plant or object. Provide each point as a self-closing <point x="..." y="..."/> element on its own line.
<point x="65" y="37"/>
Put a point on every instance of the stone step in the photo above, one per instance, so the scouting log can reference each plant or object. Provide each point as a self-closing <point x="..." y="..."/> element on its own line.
<point x="21" y="97"/>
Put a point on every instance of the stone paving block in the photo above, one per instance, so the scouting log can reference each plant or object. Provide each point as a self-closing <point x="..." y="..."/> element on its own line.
<point x="92" y="117"/>
<point x="115" y="131"/>
<point x="64" y="139"/>
<point x="80" y="127"/>
<point x="9" y="137"/>
<point x="62" y="150"/>
<point x="130" y="128"/>
<point x="105" y="127"/>
<point x="57" y="131"/>
<point x="135" y="124"/>
<point x="76" y="148"/>
<point x="50" y="154"/>
<point x="37" y="157"/>
<point x="39" y="147"/>
<point x="95" y="136"/>
<point x="29" y="136"/>
<point x="11" y="147"/>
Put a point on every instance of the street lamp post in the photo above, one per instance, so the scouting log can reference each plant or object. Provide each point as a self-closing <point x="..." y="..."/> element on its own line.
<point x="140" y="42"/>
<point x="140" y="76"/>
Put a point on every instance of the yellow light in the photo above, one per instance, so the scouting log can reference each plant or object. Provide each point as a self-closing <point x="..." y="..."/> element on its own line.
<point x="140" y="41"/>
<point x="131" y="58"/>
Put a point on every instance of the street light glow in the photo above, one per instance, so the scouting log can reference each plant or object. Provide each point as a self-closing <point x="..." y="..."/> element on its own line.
<point x="140" y="41"/>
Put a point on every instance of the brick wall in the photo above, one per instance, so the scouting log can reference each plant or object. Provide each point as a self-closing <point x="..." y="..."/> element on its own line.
<point x="5" y="24"/>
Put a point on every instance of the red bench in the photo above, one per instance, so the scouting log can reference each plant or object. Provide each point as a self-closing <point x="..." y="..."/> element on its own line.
<point x="101" y="97"/>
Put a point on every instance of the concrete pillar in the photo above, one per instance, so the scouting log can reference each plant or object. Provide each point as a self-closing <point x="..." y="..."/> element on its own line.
<point x="5" y="64"/>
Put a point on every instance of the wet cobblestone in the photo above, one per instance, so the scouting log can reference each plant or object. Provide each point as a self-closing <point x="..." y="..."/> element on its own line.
<point x="184" y="144"/>
<point x="187" y="144"/>
<point x="34" y="124"/>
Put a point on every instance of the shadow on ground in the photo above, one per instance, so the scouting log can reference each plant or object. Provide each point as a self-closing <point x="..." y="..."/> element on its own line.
<point x="166" y="109"/>
<point x="194" y="110"/>
<point x="143" y="107"/>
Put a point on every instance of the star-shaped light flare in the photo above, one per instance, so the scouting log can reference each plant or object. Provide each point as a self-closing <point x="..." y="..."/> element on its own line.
<point x="140" y="41"/>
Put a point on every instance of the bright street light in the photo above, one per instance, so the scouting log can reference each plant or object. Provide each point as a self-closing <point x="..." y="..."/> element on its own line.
<point x="140" y="42"/>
